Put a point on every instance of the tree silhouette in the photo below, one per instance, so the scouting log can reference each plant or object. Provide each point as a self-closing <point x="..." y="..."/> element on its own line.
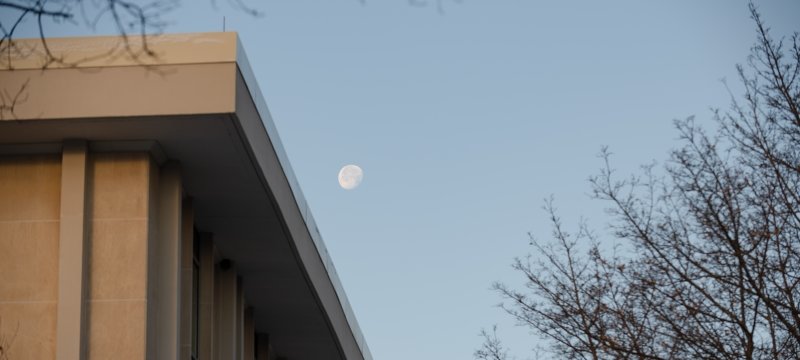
<point x="708" y="265"/>
<point x="130" y="18"/>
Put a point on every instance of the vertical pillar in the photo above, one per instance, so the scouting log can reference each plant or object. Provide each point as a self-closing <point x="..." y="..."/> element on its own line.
<point x="249" y="334"/>
<point x="70" y="323"/>
<point x="207" y="291"/>
<point x="168" y="263"/>
<point x="226" y="305"/>
<point x="122" y="204"/>
<point x="239" y="319"/>
<point x="187" y="281"/>
<point x="262" y="347"/>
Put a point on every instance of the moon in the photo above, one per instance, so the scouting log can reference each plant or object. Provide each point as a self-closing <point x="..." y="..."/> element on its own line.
<point x="350" y="177"/>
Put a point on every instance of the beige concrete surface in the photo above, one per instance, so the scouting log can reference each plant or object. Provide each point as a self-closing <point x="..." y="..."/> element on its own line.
<point x="31" y="187"/>
<point x="121" y="91"/>
<point x="152" y="276"/>
<point x="27" y="329"/>
<point x="117" y="330"/>
<point x="28" y="260"/>
<point x="106" y="51"/>
<point x="118" y="256"/>
<point x="118" y="260"/>
<point x="29" y="235"/>
<point x="168" y="263"/>
<point x="72" y="274"/>
<point x="120" y="186"/>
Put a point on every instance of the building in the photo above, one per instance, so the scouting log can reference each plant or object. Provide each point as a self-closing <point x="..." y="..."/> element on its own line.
<point x="148" y="211"/>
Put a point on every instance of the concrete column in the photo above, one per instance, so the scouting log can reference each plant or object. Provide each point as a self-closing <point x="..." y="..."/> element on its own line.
<point x="207" y="291"/>
<point x="187" y="280"/>
<point x="122" y="280"/>
<point x="168" y="263"/>
<point x="263" y="351"/>
<point x="225" y="308"/>
<point x="70" y="323"/>
<point x="249" y="334"/>
<point x="239" y="319"/>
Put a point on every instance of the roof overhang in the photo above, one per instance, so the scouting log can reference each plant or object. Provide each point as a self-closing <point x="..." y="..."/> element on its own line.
<point x="198" y="103"/>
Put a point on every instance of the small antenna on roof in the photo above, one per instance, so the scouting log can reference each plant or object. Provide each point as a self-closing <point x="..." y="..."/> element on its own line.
<point x="223" y="23"/>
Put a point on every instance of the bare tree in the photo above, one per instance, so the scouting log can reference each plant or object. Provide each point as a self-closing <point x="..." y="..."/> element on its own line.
<point x="135" y="22"/>
<point x="130" y="18"/>
<point x="492" y="348"/>
<point x="709" y="261"/>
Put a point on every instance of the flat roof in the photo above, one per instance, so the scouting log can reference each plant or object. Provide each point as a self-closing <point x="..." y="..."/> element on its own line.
<point x="196" y="101"/>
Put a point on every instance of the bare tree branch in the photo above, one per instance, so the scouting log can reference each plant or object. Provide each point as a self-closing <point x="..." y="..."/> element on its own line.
<point x="714" y="244"/>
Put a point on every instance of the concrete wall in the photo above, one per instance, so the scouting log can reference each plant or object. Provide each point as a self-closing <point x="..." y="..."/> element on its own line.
<point x="120" y="193"/>
<point x="95" y="257"/>
<point x="117" y="198"/>
<point x="29" y="233"/>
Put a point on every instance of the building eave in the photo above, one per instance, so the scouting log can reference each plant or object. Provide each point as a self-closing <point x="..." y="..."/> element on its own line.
<point x="198" y="103"/>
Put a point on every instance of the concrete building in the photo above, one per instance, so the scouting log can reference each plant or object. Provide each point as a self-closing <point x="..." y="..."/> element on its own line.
<point x="148" y="211"/>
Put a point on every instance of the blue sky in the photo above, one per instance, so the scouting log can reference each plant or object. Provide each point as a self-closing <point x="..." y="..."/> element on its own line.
<point x="464" y="121"/>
